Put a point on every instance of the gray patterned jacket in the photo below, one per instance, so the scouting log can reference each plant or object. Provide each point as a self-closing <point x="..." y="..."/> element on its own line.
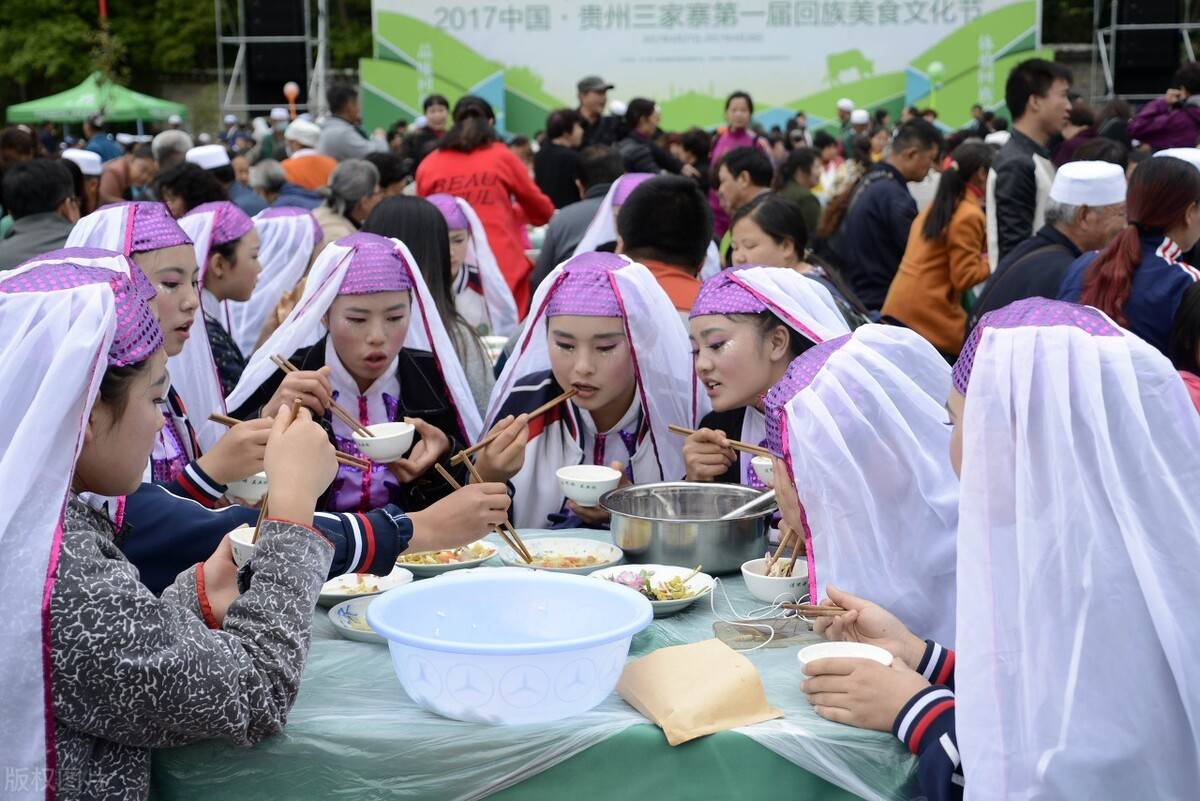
<point x="131" y="671"/>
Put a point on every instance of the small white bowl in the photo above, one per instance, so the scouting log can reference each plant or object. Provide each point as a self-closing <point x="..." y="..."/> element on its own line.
<point x="605" y="553"/>
<point x="243" y="546"/>
<point x="764" y="468"/>
<point x="356" y="585"/>
<point x="776" y="589"/>
<point x="701" y="584"/>
<point x="842" y="650"/>
<point x="389" y="443"/>
<point x="585" y="483"/>
<point x="250" y="489"/>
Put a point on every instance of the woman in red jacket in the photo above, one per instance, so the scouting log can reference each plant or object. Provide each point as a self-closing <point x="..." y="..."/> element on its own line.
<point x="472" y="164"/>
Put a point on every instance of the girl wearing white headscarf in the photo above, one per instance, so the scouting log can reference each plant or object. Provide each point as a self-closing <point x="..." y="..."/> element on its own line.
<point x="366" y="335"/>
<point x="96" y="670"/>
<point x="747" y="326"/>
<point x="602" y="325"/>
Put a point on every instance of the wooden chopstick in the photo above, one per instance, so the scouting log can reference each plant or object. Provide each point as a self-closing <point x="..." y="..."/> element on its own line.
<point x="503" y="534"/>
<point x="504" y="526"/>
<point x="347" y="418"/>
<point x="467" y="453"/>
<point x="809" y="610"/>
<point x="784" y="538"/>
<point x="737" y="445"/>
<point x="262" y="509"/>
<point x="343" y="458"/>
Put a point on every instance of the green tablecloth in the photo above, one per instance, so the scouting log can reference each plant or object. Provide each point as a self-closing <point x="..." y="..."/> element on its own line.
<point x="354" y="734"/>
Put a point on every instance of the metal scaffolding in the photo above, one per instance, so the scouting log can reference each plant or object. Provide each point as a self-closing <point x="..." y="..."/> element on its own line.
<point x="231" y="16"/>
<point x="1104" y="54"/>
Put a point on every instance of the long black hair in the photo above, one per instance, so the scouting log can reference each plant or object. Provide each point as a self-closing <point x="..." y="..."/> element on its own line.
<point x="966" y="161"/>
<point x="418" y="224"/>
<point x="473" y="126"/>
<point x="638" y="109"/>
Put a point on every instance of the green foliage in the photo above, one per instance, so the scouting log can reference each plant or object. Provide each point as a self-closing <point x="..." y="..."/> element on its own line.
<point x="349" y="32"/>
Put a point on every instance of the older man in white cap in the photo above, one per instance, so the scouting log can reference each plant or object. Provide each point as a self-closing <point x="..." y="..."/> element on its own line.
<point x="1085" y="211"/>
<point x="304" y="166"/>
<point x="91" y="166"/>
<point x="273" y="145"/>
<point x="215" y="159"/>
<point x="860" y="121"/>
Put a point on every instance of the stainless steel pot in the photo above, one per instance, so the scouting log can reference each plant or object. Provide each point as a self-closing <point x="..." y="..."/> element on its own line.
<point x="678" y="523"/>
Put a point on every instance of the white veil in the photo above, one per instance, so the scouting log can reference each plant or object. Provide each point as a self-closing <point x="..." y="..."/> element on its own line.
<point x="869" y="449"/>
<point x="1078" y="664"/>
<point x="502" y="308"/>
<point x="304" y="327"/>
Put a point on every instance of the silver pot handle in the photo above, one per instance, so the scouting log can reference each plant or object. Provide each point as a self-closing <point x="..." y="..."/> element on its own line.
<point x="761" y="504"/>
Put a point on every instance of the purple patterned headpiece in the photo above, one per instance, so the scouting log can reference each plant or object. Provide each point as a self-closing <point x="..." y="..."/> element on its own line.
<point x="800" y="374"/>
<point x="721" y="294"/>
<point x="1031" y="312"/>
<point x="152" y="227"/>
<point x="456" y="220"/>
<point x="229" y="222"/>
<point x="584" y="289"/>
<point x="138" y="334"/>
<point x="141" y="283"/>
<point x="376" y="266"/>
<point x="626" y="184"/>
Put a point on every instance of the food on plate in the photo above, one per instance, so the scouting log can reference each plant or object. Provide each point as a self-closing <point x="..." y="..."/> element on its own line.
<point x="564" y="562"/>
<point x="674" y="589"/>
<point x="358" y="584"/>
<point x="358" y="623"/>
<point x="467" y="553"/>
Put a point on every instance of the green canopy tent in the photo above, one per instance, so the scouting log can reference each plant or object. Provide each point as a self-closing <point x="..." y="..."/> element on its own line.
<point x="95" y="96"/>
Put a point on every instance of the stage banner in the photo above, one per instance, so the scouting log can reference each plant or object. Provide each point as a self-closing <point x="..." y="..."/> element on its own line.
<point x="525" y="57"/>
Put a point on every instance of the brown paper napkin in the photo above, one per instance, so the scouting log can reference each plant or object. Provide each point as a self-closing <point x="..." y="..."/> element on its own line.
<point x="697" y="689"/>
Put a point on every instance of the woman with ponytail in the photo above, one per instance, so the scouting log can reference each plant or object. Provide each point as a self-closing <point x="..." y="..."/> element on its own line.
<point x="1139" y="280"/>
<point x="473" y="164"/>
<point x="946" y="253"/>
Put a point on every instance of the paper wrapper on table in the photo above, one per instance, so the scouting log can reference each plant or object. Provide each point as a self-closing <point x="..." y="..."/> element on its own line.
<point x="694" y="690"/>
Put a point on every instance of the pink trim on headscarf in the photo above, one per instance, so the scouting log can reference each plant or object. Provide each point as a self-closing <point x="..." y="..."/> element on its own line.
<point x="637" y="375"/>
<point x="808" y="549"/>
<point x="777" y="311"/>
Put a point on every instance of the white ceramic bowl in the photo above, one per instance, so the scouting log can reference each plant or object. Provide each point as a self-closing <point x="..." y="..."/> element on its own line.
<point x="389" y="443"/>
<point x="243" y="547"/>
<point x="426" y="570"/>
<point x="505" y="646"/>
<point x="360" y="585"/>
<point x="701" y="584"/>
<point x="251" y="489"/>
<point x="775" y="589"/>
<point x="605" y="554"/>
<point x="764" y="468"/>
<point x="585" y="483"/>
<point x="349" y="619"/>
<point x="842" y="650"/>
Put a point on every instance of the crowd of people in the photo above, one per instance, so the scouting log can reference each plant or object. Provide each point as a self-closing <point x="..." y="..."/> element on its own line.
<point x="974" y="355"/>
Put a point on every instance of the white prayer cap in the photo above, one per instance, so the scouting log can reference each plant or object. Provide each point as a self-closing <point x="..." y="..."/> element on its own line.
<point x="860" y="116"/>
<point x="845" y="104"/>
<point x="303" y="132"/>
<point x="999" y="138"/>
<point x="208" y="156"/>
<point x="126" y="139"/>
<point x="174" y="119"/>
<point x="279" y="114"/>
<point x="421" y="122"/>
<point x="204" y="138"/>
<point x="1089" y="183"/>
<point x="1188" y="154"/>
<point x="617" y="108"/>
<point x="230" y="119"/>
<point x="89" y="162"/>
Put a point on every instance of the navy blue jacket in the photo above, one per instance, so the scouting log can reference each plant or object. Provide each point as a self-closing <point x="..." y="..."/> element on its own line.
<point x="926" y="726"/>
<point x="871" y="241"/>
<point x="297" y="196"/>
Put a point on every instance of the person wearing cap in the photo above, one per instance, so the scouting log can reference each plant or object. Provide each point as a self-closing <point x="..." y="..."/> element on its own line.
<point x="1139" y="280"/>
<point x="305" y="167"/>
<point x="91" y="166"/>
<point x="946" y="253"/>
<point x="274" y="144"/>
<point x="170" y="147"/>
<point x="40" y="196"/>
<point x="341" y="138"/>
<point x="859" y="122"/>
<point x="845" y="107"/>
<point x="232" y="127"/>
<point x="1085" y="211"/>
<point x="129" y="177"/>
<point x="215" y="159"/>
<point x="174" y="122"/>
<point x="99" y="142"/>
<point x="598" y="128"/>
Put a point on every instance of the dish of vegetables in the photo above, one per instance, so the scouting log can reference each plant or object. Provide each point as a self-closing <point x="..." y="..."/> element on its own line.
<point x="431" y="563"/>
<point x="670" y="589"/>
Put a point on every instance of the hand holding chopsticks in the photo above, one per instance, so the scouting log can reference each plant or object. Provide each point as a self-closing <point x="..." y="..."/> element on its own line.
<point x="733" y="443"/>
<point x="345" y="416"/>
<point x="505" y="529"/>
<point x="343" y="458"/>
<point x="466" y="454"/>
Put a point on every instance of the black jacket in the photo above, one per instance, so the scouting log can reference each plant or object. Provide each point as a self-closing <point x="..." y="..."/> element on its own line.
<point x="870" y="243"/>
<point x="1016" y="191"/>
<point x="729" y="422"/>
<point x="1035" y="268"/>
<point x="554" y="170"/>
<point x="604" y="131"/>
<point x="423" y="394"/>
<point x="642" y="155"/>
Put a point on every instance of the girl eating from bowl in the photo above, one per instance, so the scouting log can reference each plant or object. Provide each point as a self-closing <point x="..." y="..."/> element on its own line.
<point x="858" y="426"/>
<point x="96" y="669"/>
<point x="192" y="456"/>
<point x="600" y="325"/>
<point x="1061" y="533"/>
<point x="746" y="328"/>
<point x="366" y="335"/>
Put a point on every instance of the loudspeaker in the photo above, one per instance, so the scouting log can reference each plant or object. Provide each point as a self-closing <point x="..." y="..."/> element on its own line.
<point x="1146" y="60"/>
<point x="270" y="66"/>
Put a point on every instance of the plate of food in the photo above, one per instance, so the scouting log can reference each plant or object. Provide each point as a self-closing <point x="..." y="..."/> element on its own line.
<point x="669" y="589"/>
<point x="431" y="563"/>
<point x="357" y="585"/>
<point x="565" y="555"/>
<point x="350" y="620"/>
